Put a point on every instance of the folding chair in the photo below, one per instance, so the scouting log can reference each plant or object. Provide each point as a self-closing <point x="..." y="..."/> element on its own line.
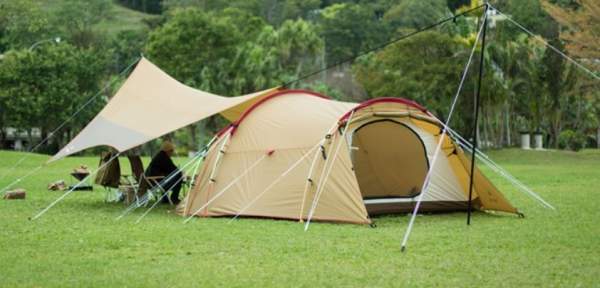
<point x="109" y="175"/>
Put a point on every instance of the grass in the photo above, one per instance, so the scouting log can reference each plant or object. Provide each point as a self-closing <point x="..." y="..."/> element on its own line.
<point x="79" y="242"/>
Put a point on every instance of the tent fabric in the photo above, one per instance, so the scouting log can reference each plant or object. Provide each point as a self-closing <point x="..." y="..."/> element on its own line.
<point x="377" y="165"/>
<point x="150" y="104"/>
<point x="383" y="157"/>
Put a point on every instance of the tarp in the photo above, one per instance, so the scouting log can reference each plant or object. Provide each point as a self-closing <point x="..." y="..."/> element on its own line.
<point x="150" y="104"/>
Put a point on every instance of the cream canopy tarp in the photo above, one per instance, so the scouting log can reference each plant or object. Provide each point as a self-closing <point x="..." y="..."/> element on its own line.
<point x="150" y="104"/>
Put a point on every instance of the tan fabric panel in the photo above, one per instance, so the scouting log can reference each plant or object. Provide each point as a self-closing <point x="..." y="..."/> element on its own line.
<point x="340" y="199"/>
<point x="489" y="197"/>
<point x="389" y="160"/>
<point x="148" y="105"/>
<point x="294" y="120"/>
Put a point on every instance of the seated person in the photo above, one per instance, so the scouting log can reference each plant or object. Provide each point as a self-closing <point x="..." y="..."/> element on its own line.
<point x="162" y="165"/>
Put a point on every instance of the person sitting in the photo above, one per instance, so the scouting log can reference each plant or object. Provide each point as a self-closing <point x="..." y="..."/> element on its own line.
<point x="162" y="165"/>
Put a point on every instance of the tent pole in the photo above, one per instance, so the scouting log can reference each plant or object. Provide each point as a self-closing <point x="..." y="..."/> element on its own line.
<point x="477" y="104"/>
<point x="327" y="170"/>
<point x="309" y="182"/>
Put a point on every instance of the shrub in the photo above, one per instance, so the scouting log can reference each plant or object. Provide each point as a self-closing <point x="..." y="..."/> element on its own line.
<point x="571" y="140"/>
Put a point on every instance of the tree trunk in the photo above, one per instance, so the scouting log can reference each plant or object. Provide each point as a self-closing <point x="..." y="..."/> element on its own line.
<point x="508" y="130"/>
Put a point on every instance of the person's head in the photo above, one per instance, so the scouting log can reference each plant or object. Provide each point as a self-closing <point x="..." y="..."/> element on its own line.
<point x="168" y="147"/>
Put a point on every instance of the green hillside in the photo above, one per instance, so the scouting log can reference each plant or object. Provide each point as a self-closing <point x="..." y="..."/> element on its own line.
<point x="121" y="18"/>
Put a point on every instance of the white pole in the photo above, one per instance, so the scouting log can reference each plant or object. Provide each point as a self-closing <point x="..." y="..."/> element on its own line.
<point x="439" y="145"/>
<point x="324" y="179"/>
<point x="309" y="181"/>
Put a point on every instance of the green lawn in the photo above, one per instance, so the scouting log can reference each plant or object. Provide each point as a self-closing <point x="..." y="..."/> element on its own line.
<point x="79" y="242"/>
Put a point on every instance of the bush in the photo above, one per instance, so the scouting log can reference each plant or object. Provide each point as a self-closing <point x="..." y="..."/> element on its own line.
<point x="571" y="140"/>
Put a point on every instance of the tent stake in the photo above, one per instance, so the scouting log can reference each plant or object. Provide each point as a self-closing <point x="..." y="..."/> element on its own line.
<point x="477" y="104"/>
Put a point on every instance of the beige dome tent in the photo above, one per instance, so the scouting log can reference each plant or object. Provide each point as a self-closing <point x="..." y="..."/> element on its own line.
<point x="297" y="155"/>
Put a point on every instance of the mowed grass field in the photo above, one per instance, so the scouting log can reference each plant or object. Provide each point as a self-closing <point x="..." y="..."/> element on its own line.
<point x="79" y="242"/>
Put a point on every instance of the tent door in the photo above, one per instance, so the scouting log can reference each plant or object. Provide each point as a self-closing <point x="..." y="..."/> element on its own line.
<point x="390" y="162"/>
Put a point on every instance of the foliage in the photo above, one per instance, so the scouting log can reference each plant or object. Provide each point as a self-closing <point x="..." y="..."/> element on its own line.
<point x="146" y="6"/>
<point x="581" y="26"/>
<point x="241" y="46"/>
<point x="572" y="140"/>
<point x="416" y="14"/>
<point x="232" y="52"/>
<point x="21" y="24"/>
<point x="274" y="12"/>
<point x="349" y="29"/>
<point x="42" y="88"/>
<point x="77" y="19"/>
<point x="425" y="68"/>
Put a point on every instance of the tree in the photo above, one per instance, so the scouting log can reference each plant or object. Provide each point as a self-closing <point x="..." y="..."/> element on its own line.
<point x="22" y="23"/>
<point x="77" y="19"/>
<point x="42" y="88"/>
<point x="425" y="68"/>
<point x="231" y="52"/>
<point x="415" y="14"/>
<point x="581" y="27"/>
<point x="349" y="29"/>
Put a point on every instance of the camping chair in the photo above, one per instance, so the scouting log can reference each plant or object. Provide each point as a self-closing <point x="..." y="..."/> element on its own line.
<point x="108" y="175"/>
<point x="145" y="187"/>
<point x="131" y="183"/>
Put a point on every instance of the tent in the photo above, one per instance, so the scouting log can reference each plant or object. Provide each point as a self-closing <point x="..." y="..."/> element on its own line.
<point x="297" y="155"/>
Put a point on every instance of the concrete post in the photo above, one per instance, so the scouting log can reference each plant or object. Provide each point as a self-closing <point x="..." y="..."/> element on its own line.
<point x="525" y="141"/>
<point x="538" y="143"/>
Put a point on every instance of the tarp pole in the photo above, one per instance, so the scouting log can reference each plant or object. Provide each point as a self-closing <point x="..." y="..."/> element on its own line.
<point x="475" y="124"/>
<point x="438" y="148"/>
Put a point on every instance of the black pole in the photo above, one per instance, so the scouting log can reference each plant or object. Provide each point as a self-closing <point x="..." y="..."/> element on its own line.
<point x="477" y="104"/>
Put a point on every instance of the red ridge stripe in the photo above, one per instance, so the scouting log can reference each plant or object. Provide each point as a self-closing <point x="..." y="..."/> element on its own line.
<point x="374" y="101"/>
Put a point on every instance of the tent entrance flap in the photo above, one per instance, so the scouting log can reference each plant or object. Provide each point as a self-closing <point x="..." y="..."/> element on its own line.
<point x="390" y="161"/>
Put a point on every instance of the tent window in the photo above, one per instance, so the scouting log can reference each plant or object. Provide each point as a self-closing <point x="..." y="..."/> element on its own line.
<point x="389" y="159"/>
